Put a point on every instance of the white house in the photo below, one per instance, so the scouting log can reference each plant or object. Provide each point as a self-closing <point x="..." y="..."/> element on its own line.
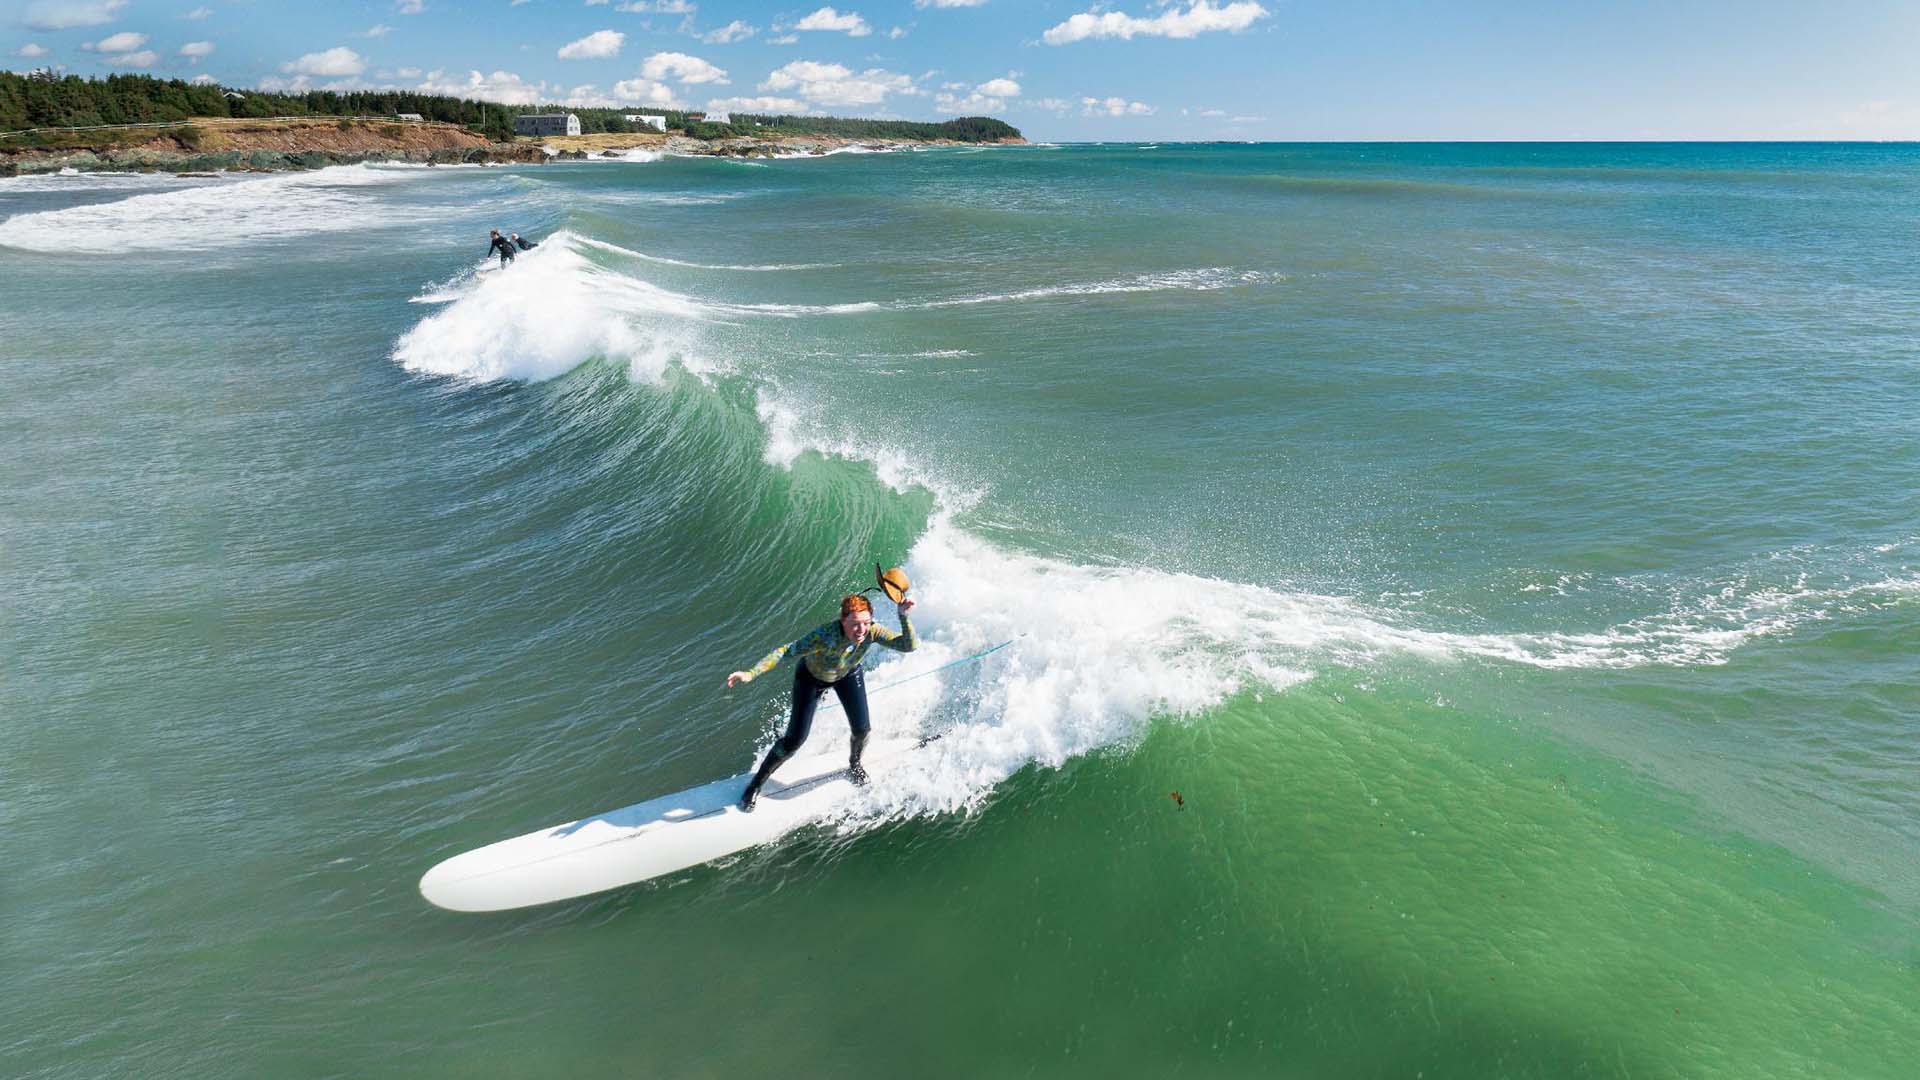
<point x="410" y="117"/>
<point x="546" y="124"/>
<point x="657" y="123"/>
<point x="720" y="116"/>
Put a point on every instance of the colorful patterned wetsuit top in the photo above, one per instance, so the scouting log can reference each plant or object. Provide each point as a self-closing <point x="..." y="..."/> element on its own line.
<point x="829" y="655"/>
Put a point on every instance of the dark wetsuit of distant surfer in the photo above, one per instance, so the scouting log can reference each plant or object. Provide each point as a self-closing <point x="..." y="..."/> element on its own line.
<point x="829" y="656"/>
<point x="522" y="243"/>
<point x="502" y="245"/>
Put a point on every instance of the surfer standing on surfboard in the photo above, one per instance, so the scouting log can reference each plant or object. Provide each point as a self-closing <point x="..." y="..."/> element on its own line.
<point x="830" y="656"/>
<point x="498" y="243"/>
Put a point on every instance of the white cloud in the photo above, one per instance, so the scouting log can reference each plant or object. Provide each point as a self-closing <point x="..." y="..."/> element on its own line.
<point x="784" y="39"/>
<point x="336" y="61"/>
<point x="30" y="50"/>
<point x="687" y="69"/>
<point x="990" y="96"/>
<point x="657" y="7"/>
<point x="1199" y="18"/>
<point x="646" y="92"/>
<point x="125" y="41"/>
<point x="408" y="73"/>
<point x="197" y="51"/>
<point x="300" y="84"/>
<point x="897" y="33"/>
<point x="145" y="58"/>
<point x="595" y="46"/>
<point x="409" y="7"/>
<point x="67" y="14"/>
<point x="728" y="34"/>
<point x="828" y="19"/>
<point x="947" y="3"/>
<point x="377" y="30"/>
<point x="587" y="97"/>
<point x="832" y="84"/>
<point x="1114" y="106"/>
<point x="503" y="87"/>
<point x="774" y="105"/>
<point x="196" y="15"/>
<point x="204" y="79"/>
<point x="1054" y="104"/>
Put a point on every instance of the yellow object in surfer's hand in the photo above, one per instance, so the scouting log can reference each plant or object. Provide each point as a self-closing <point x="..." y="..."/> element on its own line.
<point x="892" y="582"/>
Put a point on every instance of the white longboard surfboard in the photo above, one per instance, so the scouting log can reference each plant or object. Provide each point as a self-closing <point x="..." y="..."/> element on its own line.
<point x="645" y="840"/>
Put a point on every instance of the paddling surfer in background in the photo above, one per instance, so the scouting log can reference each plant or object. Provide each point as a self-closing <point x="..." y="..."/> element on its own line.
<point x="829" y="656"/>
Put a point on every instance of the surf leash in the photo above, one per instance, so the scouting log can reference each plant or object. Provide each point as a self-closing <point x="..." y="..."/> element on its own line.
<point x="950" y="664"/>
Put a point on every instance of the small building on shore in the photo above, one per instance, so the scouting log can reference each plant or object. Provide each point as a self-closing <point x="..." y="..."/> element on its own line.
<point x="657" y="123"/>
<point x="410" y="117"/>
<point x="719" y="116"/>
<point x="546" y="124"/>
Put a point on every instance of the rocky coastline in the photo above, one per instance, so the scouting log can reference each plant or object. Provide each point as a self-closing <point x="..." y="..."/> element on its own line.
<point x="281" y="146"/>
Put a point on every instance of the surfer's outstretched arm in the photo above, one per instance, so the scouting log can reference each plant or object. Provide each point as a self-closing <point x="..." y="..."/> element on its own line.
<point x="904" y="641"/>
<point x="773" y="658"/>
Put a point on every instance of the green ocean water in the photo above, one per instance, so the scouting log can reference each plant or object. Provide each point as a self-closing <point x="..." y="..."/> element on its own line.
<point x="1510" y="554"/>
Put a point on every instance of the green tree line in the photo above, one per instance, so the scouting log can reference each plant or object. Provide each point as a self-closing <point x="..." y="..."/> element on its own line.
<point x="46" y="99"/>
<point x="962" y="129"/>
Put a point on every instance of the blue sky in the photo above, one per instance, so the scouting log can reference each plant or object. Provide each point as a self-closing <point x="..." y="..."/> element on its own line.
<point x="1066" y="69"/>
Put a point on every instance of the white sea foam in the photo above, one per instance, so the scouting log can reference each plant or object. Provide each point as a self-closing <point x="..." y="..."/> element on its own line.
<point x="74" y="180"/>
<point x="616" y="249"/>
<point x="836" y="152"/>
<point x="1206" y="279"/>
<point x="1098" y="651"/>
<point x="214" y="215"/>
<point x="669" y="198"/>
<point x="548" y="312"/>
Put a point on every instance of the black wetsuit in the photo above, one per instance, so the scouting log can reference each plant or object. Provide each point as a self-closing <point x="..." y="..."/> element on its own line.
<point x="524" y="244"/>
<point x="504" y="246"/>
<point x="851" y="689"/>
<point x="828" y="648"/>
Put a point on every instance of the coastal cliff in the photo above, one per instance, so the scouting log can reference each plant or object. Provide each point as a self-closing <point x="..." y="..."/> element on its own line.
<point x="279" y="145"/>
<point x="258" y="145"/>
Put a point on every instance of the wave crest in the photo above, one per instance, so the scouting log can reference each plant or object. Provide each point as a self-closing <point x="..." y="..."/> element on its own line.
<point x="545" y="314"/>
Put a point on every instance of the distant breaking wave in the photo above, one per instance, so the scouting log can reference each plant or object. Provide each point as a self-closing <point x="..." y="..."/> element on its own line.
<point x="1201" y="280"/>
<point x="214" y="215"/>
<point x="546" y="314"/>
<point x="97" y="181"/>
<point x="555" y="308"/>
<point x="630" y="253"/>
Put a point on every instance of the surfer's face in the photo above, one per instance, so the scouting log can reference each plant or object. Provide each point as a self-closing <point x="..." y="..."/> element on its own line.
<point x="855" y="624"/>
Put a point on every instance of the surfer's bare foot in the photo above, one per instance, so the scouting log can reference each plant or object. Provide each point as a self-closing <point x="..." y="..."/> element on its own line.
<point x="856" y="774"/>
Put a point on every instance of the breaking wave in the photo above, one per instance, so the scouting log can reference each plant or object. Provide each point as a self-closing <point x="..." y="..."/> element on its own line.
<point x="215" y="215"/>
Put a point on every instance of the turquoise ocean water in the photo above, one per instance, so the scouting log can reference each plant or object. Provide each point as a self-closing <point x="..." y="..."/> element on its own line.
<point x="1510" y="554"/>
